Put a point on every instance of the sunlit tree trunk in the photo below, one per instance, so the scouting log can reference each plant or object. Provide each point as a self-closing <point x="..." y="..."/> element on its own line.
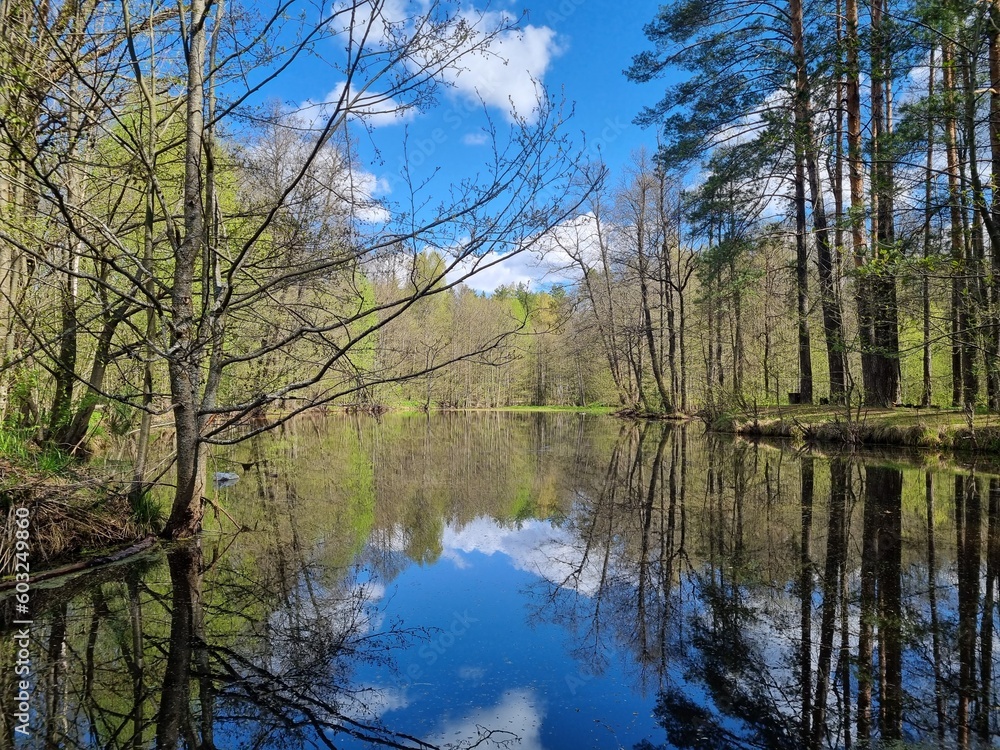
<point x="807" y="152"/>
<point x="856" y="213"/>
<point x="801" y="134"/>
<point x="645" y="298"/>
<point x="956" y="219"/>
<point x="185" y="352"/>
<point x="993" y="353"/>
<point x="925" y="398"/>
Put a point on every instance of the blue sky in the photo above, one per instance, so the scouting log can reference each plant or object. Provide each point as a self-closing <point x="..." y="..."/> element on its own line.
<point x="577" y="49"/>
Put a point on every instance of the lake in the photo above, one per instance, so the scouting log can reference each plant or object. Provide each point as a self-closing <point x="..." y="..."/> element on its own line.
<point x="535" y="580"/>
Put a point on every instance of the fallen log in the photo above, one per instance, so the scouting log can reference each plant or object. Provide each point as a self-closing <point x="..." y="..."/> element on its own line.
<point x="93" y="562"/>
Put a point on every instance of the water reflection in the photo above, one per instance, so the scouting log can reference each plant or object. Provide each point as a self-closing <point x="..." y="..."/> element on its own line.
<point x="186" y="655"/>
<point x="561" y="580"/>
<point x="767" y="612"/>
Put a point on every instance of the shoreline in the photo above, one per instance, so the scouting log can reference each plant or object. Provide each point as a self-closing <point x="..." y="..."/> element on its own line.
<point x="80" y="501"/>
<point x="945" y="430"/>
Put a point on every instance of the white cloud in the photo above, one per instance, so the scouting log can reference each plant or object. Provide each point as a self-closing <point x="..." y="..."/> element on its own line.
<point x="376" y="22"/>
<point x="332" y="177"/>
<point x="509" y="74"/>
<point x="576" y="238"/>
<point x="365" y="188"/>
<point x="357" y="188"/>
<point x="373" y="108"/>
<point x="548" y="261"/>
<point x="503" y="69"/>
<point x="518" y="268"/>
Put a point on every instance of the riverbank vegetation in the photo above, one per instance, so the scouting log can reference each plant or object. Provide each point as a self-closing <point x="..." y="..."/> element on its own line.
<point x="179" y="251"/>
<point x="76" y="512"/>
<point x="942" y="429"/>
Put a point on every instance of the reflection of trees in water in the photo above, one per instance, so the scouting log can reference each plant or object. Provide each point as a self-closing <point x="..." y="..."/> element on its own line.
<point x="427" y="471"/>
<point x="248" y="648"/>
<point x="787" y="603"/>
<point x="289" y="686"/>
<point x="628" y="526"/>
<point x="767" y="600"/>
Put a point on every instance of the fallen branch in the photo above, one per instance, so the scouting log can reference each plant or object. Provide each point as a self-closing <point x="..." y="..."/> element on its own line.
<point x="237" y="524"/>
<point x="93" y="562"/>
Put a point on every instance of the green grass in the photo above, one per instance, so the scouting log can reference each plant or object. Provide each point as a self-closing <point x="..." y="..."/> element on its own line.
<point x="146" y="510"/>
<point x="591" y="409"/>
<point x="415" y="406"/>
<point x="908" y="427"/>
<point x="17" y="447"/>
<point x="899" y="417"/>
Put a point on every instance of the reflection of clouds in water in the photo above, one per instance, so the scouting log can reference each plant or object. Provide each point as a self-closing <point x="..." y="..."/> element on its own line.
<point x="371" y="702"/>
<point x="537" y="547"/>
<point x="372" y="591"/>
<point x="395" y="539"/>
<point x="454" y="557"/>
<point x="324" y="617"/>
<point x="520" y="712"/>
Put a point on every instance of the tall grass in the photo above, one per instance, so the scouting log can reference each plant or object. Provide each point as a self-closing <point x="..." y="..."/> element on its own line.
<point x="17" y="446"/>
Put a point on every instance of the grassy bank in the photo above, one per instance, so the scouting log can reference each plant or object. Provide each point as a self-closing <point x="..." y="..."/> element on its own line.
<point x="73" y="511"/>
<point x="942" y="429"/>
<point x="559" y="409"/>
<point x="412" y="407"/>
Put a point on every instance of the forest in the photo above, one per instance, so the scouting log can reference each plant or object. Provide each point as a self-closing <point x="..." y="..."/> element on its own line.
<point x="815" y="219"/>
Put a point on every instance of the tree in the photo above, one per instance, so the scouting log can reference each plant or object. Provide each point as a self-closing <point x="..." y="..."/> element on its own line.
<point x="235" y="273"/>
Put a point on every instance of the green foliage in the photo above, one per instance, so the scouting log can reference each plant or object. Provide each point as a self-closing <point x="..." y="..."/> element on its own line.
<point x="19" y="447"/>
<point x="147" y="509"/>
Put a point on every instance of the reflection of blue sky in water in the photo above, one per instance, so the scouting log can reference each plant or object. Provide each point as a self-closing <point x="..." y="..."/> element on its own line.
<point x="567" y="634"/>
<point x="489" y="662"/>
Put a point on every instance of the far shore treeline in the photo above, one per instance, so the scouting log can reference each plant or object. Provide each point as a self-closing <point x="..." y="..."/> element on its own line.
<point x="815" y="220"/>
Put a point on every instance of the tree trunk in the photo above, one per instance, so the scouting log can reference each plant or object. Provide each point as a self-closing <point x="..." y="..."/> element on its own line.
<point x="882" y="375"/>
<point x="647" y="319"/>
<point x="185" y="361"/>
<point x="833" y="326"/>
<point x="956" y="219"/>
<point x="801" y="135"/>
<point x="856" y="213"/>
<point x="926" y="393"/>
<point x="993" y="31"/>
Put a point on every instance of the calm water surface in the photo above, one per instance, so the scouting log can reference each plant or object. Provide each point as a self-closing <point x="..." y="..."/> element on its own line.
<point x="537" y="581"/>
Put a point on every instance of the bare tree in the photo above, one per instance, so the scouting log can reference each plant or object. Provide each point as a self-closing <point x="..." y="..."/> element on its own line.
<point x="240" y="264"/>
